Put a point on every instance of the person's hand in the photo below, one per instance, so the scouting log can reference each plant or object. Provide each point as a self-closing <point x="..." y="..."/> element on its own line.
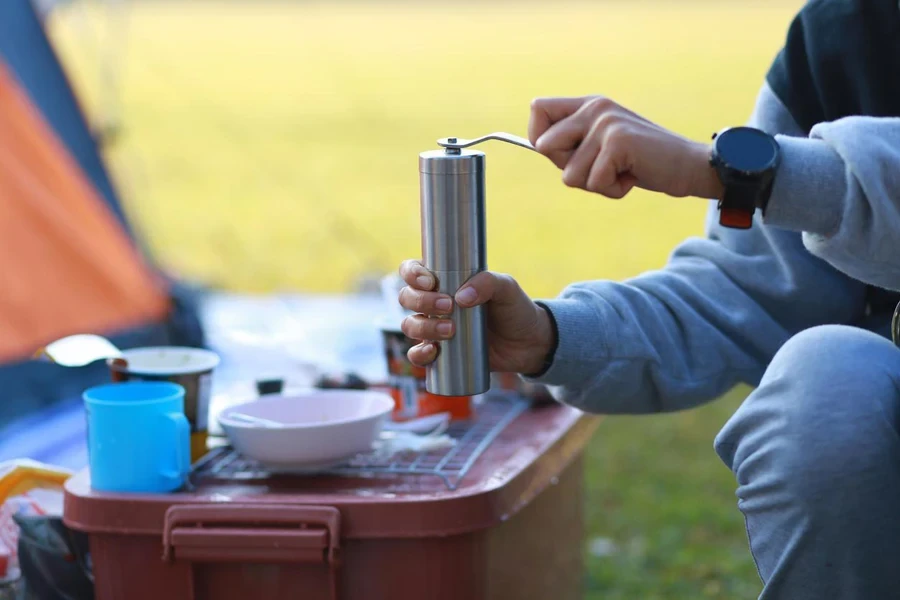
<point x="604" y="148"/>
<point x="519" y="331"/>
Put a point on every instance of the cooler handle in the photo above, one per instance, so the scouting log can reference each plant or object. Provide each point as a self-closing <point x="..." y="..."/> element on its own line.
<point x="244" y="532"/>
<point x="254" y="533"/>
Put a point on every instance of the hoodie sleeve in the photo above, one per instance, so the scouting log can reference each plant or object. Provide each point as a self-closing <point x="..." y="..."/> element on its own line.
<point x="840" y="187"/>
<point x="711" y="318"/>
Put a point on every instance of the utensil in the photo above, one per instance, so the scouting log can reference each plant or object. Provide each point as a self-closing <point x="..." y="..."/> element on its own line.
<point x="317" y="428"/>
<point x="190" y="368"/>
<point x="454" y="248"/>
<point x="255" y="420"/>
<point x="79" y="350"/>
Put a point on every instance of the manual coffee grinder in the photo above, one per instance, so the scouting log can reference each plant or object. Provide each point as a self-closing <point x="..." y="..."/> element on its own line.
<point x="452" y="197"/>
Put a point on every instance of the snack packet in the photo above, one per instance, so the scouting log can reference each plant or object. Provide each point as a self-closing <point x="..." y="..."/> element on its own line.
<point x="27" y="488"/>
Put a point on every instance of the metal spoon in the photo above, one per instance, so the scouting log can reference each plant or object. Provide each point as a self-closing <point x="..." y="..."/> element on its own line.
<point x="79" y="350"/>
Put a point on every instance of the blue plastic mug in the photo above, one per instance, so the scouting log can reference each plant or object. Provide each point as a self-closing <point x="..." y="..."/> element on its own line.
<point x="138" y="437"/>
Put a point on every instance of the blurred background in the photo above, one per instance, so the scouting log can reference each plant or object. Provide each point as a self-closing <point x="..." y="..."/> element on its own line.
<point x="272" y="146"/>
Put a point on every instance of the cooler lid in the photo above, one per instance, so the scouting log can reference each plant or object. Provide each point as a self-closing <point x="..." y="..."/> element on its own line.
<point x="521" y="460"/>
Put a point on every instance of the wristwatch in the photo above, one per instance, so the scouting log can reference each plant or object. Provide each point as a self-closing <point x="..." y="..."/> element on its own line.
<point x="746" y="160"/>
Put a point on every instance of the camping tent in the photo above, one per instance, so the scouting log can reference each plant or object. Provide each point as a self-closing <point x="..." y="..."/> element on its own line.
<point x="69" y="261"/>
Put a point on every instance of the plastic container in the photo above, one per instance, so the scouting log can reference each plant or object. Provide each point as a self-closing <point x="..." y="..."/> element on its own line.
<point x="407" y="382"/>
<point x="511" y="528"/>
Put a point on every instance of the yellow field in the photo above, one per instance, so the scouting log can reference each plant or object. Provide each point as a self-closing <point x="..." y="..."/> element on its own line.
<point x="274" y="145"/>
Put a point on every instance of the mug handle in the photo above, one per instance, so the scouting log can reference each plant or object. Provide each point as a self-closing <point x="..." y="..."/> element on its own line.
<point x="182" y="441"/>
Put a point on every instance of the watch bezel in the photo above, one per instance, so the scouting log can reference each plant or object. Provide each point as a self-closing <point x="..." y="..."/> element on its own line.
<point x="718" y="160"/>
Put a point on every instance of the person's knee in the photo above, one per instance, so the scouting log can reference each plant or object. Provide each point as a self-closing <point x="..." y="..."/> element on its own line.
<point x="825" y="411"/>
<point x="829" y="355"/>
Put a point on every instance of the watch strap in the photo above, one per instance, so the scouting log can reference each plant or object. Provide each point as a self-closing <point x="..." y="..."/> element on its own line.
<point x="738" y="203"/>
<point x="762" y="201"/>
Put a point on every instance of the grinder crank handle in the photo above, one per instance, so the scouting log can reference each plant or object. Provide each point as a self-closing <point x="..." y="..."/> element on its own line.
<point x="459" y="143"/>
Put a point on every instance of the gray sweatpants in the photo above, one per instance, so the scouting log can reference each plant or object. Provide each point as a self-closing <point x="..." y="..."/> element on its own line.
<point x="816" y="452"/>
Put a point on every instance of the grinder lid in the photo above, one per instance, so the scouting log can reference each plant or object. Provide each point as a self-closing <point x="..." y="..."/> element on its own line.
<point x="451" y="162"/>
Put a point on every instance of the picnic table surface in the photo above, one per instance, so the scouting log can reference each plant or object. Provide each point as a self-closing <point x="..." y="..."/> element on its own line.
<point x="293" y="336"/>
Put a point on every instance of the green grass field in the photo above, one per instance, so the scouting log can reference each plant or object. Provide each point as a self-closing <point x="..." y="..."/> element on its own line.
<point x="273" y="146"/>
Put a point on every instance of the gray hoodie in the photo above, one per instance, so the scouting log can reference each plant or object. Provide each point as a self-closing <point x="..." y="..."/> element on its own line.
<point x="725" y="303"/>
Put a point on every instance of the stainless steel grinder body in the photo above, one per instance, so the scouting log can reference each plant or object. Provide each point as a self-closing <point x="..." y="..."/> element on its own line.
<point x="452" y="196"/>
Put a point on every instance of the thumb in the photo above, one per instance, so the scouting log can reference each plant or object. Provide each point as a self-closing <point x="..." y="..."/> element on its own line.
<point x="487" y="286"/>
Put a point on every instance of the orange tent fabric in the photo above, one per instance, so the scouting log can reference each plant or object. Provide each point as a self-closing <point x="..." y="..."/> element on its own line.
<point x="66" y="266"/>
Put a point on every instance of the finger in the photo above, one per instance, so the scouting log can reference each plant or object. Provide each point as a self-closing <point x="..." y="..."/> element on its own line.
<point x="567" y="134"/>
<point x="564" y="135"/>
<point x="560" y="158"/>
<point x="428" y="303"/>
<point x="547" y="111"/>
<point x="419" y="327"/>
<point x="501" y="289"/>
<point x="423" y="354"/>
<point x="608" y="178"/>
<point x="416" y="275"/>
<point x="579" y="166"/>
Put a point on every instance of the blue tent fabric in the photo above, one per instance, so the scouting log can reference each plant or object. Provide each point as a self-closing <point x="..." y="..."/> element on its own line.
<point x="27" y="52"/>
<point x="31" y="385"/>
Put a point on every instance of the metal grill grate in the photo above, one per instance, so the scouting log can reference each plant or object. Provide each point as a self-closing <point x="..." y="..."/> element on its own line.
<point x="450" y="464"/>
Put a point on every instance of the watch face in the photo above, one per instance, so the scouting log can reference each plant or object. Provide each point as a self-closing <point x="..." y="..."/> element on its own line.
<point x="746" y="149"/>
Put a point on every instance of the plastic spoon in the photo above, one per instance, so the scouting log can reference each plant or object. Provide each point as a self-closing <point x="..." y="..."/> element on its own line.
<point x="79" y="350"/>
<point x="255" y="420"/>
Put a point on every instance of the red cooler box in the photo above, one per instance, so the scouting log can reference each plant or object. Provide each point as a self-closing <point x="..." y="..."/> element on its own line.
<point x="497" y="516"/>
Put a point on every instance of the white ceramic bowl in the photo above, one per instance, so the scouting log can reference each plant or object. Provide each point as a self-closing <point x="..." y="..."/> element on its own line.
<point x="319" y="428"/>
